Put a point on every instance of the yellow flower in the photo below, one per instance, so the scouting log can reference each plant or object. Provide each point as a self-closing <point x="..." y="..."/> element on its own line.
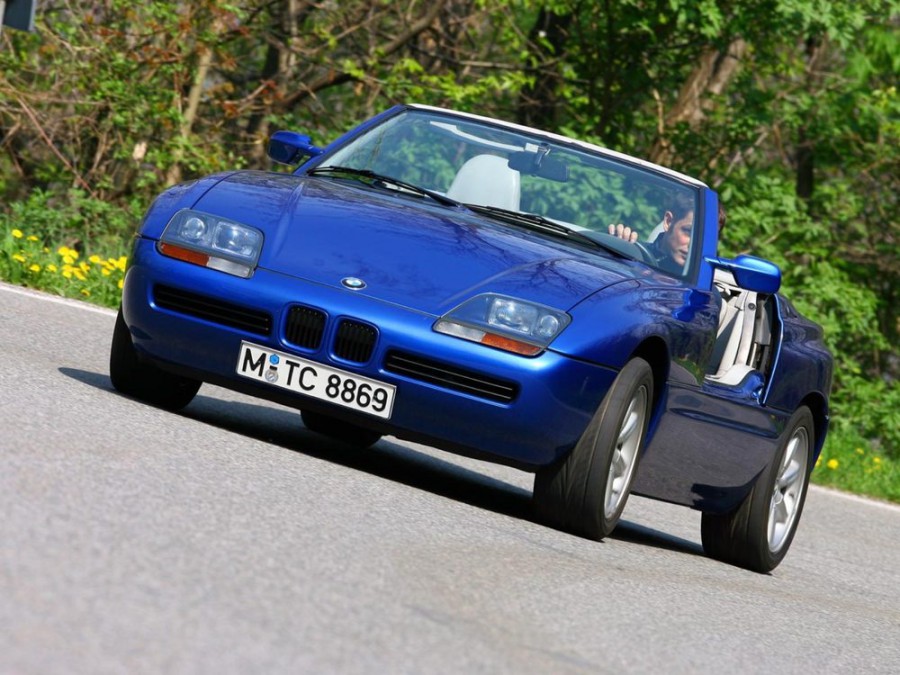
<point x="31" y="237"/>
<point x="833" y="464"/>
<point x="95" y="259"/>
<point x="17" y="234"/>
<point x="85" y="268"/>
<point x="120" y="284"/>
<point x="876" y="460"/>
<point x="105" y="272"/>
<point x="18" y="257"/>
<point x="79" y="274"/>
<point x="35" y="268"/>
<point x="69" y="255"/>
<point x="818" y="462"/>
<point x="85" y="292"/>
<point x="860" y="451"/>
<point x="51" y="267"/>
<point x="67" y="272"/>
<point x="121" y="262"/>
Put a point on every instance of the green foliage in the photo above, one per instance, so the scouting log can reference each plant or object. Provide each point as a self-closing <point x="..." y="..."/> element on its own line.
<point x="73" y="219"/>
<point x="873" y="411"/>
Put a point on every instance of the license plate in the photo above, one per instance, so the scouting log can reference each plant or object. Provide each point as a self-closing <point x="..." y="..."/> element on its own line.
<point x="314" y="379"/>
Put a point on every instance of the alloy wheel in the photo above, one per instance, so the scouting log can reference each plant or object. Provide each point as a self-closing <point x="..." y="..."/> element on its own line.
<point x="625" y="454"/>
<point x="788" y="490"/>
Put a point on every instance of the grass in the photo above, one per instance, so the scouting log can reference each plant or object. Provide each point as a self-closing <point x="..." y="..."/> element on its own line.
<point x="848" y="462"/>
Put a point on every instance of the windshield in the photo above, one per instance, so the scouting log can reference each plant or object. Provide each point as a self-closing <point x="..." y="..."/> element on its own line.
<point x="480" y="164"/>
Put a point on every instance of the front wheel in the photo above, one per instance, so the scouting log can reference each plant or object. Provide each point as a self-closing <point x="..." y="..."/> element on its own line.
<point x="144" y="381"/>
<point x="586" y="492"/>
<point x="758" y="534"/>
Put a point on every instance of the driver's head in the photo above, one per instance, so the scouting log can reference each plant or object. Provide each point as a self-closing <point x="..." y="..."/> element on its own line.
<point x="678" y="224"/>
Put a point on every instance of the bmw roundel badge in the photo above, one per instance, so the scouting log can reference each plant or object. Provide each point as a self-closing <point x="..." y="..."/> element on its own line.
<point x="353" y="283"/>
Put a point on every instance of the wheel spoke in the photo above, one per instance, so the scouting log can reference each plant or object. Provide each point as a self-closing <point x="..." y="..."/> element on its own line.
<point x="789" y="476"/>
<point x="780" y="511"/>
<point x="630" y="425"/>
<point x="795" y="446"/>
<point x="617" y="485"/>
<point x="776" y="530"/>
<point x="617" y="469"/>
<point x="619" y="462"/>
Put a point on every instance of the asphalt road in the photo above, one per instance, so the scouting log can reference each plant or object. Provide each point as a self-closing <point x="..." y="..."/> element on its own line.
<point x="228" y="539"/>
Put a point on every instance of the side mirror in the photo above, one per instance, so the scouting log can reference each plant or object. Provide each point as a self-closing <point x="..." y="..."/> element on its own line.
<point x="751" y="273"/>
<point x="288" y="147"/>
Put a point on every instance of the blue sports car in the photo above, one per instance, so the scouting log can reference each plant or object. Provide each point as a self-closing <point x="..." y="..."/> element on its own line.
<point x="500" y="292"/>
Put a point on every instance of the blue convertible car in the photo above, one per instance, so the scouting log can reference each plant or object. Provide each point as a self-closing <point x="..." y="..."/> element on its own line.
<point x="500" y="292"/>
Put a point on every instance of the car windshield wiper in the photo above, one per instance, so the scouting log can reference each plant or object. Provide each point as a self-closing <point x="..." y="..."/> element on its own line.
<point x="544" y="224"/>
<point x="381" y="180"/>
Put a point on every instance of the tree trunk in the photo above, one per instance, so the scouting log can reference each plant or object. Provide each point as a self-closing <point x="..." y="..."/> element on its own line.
<point x="804" y="157"/>
<point x="538" y="103"/>
<point x="280" y="61"/>
<point x="334" y="76"/>
<point x="173" y="175"/>
<point x="711" y="75"/>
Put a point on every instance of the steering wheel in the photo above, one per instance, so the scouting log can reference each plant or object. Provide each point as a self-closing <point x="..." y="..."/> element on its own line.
<point x="645" y="252"/>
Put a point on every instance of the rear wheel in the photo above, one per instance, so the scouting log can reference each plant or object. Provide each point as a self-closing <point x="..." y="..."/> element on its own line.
<point x="339" y="430"/>
<point x="142" y="380"/>
<point x="758" y="534"/>
<point x="586" y="492"/>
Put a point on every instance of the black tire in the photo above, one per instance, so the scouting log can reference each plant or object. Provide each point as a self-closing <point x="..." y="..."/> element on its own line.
<point x="758" y="534"/>
<point x="339" y="430"/>
<point x="585" y="493"/>
<point x="142" y="380"/>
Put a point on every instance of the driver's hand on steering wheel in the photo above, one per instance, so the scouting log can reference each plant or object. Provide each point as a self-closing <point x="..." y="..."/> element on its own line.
<point x="623" y="232"/>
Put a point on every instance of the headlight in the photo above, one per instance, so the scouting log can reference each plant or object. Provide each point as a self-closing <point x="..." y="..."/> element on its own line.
<point x="506" y="323"/>
<point x="211" y="241"/>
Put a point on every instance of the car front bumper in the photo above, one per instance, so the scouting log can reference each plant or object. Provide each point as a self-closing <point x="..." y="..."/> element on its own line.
<point x="553" y="399"/>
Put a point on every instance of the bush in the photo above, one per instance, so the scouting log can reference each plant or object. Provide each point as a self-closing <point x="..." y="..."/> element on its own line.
<point x="73" y="219"/>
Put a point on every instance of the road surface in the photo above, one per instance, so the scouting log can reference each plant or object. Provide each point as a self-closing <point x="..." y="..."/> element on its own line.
<point x="228" y="539"/>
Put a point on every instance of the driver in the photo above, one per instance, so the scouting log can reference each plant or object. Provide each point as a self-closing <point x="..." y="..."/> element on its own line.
<point x="671" y="247"/>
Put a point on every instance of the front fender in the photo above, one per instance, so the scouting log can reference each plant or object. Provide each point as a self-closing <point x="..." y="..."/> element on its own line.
<point x="608" y="327"/>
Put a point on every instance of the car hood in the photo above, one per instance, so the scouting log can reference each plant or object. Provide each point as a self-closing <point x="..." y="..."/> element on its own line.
<point x="408" y="250"/>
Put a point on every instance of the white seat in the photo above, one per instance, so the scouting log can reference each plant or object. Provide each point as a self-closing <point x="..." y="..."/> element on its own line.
<point x="735" y="347"/>
<point x="487" y="180"/>
<point x="739" y="333"/>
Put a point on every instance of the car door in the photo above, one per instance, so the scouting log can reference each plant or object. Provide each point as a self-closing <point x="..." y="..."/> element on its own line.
<point x="715" y="434"/>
